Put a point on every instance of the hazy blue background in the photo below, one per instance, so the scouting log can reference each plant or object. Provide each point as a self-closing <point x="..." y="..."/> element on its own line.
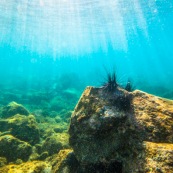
<point x="42" y="39"/>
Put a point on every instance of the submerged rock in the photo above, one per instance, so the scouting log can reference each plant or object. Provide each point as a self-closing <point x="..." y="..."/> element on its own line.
<point x="13" y="108"/>
<point x="64" y="161"/>
<point x="112" y="127"/>
<point x="54" y="143"/>
<point x="23" y="127"/>
<point x="51" y="145"/>
<point x="12" y="148"/>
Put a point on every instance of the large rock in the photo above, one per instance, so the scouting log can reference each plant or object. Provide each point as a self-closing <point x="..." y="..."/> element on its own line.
<point x="23" y="127"/>
<point x="113" y="127"/>
<point x="12" y="148"/>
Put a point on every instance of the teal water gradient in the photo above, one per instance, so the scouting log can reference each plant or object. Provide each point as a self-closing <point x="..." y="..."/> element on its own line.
<point x="42" y="39"/>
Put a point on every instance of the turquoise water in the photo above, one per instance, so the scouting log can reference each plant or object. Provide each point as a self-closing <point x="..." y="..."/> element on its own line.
<point x="61" y="46"/>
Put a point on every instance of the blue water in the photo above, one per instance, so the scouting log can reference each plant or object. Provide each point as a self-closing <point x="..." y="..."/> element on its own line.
<point x="40" y="40"/>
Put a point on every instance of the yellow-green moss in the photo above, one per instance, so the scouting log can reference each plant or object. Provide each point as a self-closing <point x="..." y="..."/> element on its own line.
<point x="62" y="155"/>
<point x="158" y="157"/>
<point x="28" y="167"/>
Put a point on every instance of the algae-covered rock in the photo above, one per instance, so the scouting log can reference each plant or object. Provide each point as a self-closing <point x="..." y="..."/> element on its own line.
<point x="55" y="143"/>
<point x="112" y="127"/>
<point x="13" y="108"/>
<point x="158" y="157"/>
<point x="51" y="145"/>
<point x="64" y="161"/>
<point x="49" y="128"/>
<point x="99" y="128"/>
<point x="3" y="161"/>
<point x="12" y="148"/>
<point x="154" y="157"/>
<point x="23" y="127"/>
<point x="28" y="167"/>
<point x="154" y="115"/>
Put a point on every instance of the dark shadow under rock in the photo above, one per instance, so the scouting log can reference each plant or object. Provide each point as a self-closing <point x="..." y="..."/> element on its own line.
<point x="111" y="167"/>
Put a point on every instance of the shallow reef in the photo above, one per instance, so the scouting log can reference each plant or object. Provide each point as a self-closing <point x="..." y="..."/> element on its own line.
<point x="109" y="132"/>
<point x="27" y="140"/>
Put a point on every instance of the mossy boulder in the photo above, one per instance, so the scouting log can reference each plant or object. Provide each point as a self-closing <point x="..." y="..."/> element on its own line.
<point x="55" y="143"/>
<point x="20" y="126"/>
<point x="12" y="109"/>
<point x="12" y="148"/>
<point x="124" y="128"/>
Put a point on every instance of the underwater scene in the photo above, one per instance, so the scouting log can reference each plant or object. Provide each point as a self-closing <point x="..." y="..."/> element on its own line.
<point x="86" y="86"/>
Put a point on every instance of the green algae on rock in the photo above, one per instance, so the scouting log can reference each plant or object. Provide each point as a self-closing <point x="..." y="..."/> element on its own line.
<point x="28" y="167"/>
<point x="55" y="143"/>
<point x="64" y="161"/>
<point x="13" y="108"/>
<point x="3" y="161"/>
<point x="23" y="127"/>
<point x="114" y="127"/>
<point x="12" y="148"/>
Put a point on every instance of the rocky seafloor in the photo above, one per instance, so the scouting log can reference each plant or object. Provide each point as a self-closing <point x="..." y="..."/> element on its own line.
<point x="119" y="132"/>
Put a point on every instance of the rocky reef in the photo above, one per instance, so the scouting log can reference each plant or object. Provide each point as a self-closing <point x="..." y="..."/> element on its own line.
<point x="26" y="140"/>
<point x="129" y="131"/>
<point x="110" y="132"/>
<point x="13" y="108"/>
